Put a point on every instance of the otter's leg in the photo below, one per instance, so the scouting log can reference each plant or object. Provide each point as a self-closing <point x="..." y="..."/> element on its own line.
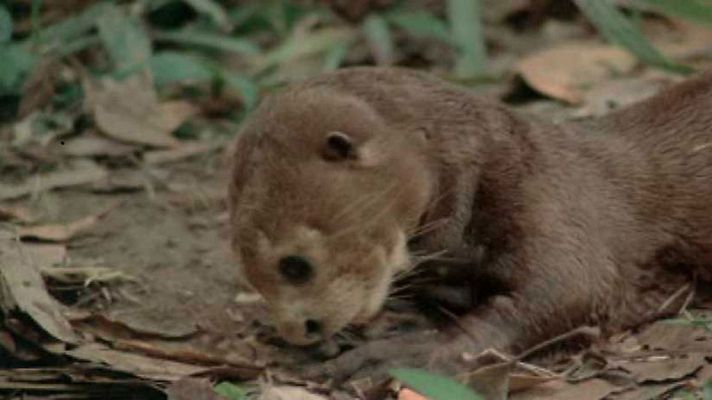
<point x="557" y="287"/>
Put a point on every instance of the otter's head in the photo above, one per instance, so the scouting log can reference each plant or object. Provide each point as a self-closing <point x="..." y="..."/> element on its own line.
<point x="323" y="195"/>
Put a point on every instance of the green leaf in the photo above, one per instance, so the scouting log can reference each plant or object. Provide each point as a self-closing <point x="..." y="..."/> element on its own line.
<point x="699" y="11"/>
<point x="616" y="28"/>
<point x="124" y="39"/>
<point x="212" y="10"/>
<point x="246" y="87"/>
<point x="379" y="38"/>
<point x="16" y="64"/>
<point x="420" y="23"/>
<point x="434" y="387"/>
<point x="707" y="390"/>
<point x="5" y="24"/>
<point x="69" y="28"/>
<point x="209" y="40"/>
<point x="231" y="391"/>
<point x="465" y="19"/>
<point x="308" y="44"/>
<point x="335" y="56"/>
<point x="170" y="67"/>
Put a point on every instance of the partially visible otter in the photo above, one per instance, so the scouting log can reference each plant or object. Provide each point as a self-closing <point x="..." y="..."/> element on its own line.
<point x="599" y="222"/>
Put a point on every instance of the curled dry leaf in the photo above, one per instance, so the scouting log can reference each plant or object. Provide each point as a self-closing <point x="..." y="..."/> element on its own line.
<point x="62" y="232"/>
<point x="665" y="368"/>
<point x="24" y="290"/>
<point x="78" y="175"/>
<point x="563" y="72"/>
<point x="139" y="365"/>
<point x="592" y="389"/>
<point x="92" y="145"/>
<point x="179" y="153"/>
<point x="288" y="393"/>
<point x="16" y="212"/>
<point x="407" y="394"/>
<point x="129" y="111"/>
<point x="193" y="389"/>
<point x="610" y="95"/>
<point x="491" y="381"/>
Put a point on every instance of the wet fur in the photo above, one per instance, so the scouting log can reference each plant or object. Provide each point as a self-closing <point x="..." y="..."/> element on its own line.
<point x="598" y="222"/>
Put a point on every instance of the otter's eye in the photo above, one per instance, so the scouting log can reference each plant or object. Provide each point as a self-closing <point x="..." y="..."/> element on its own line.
<point x="295" y="269"/>
<point x="339" y="147"/>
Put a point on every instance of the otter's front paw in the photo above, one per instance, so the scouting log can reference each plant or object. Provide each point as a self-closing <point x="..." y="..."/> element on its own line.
<point x="429" y="350"/>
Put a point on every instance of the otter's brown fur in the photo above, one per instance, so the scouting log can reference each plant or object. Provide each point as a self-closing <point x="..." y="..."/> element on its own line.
<point x="597" y="222"/>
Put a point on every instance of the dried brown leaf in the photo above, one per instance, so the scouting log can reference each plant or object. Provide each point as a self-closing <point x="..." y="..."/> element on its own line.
<point x="664" y="368"/>
<point x="288" y="393"/>
<point x="563" y="72"/>
<point x="610" y="95"/>
<point x="38" y="89"/>
<point x="593" y="389"/>
<point x="664" y="335"/>
<point x="79" y="175"/>
<point x="23" y="288"/>
<point x="62" y="232"/>
<point x="192" y="389"/>
<point x="129" y="111"/>
<point x="16" y="212"/>
<point x="491" y="381"/>
<point x="407" y="394"/>
<point x="93" y="145"/>
<point x="179" y="153"/>
<point x="140" y="365"/>
<point x="647" y="392"/>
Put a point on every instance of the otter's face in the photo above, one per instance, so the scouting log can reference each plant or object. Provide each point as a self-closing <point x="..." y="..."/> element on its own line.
<point x="323" y="197"/>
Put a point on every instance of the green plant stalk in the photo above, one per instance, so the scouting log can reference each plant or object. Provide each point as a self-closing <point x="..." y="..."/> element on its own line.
<point x="693" y="10"/>
<point x="207" y="40"/>
<point x="465" y="17"/>
<point x="616" y="28"/>
<point x="379" y="38"/>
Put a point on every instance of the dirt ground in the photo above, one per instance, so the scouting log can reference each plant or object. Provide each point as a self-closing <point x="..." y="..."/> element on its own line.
<point x="116" y="279"/>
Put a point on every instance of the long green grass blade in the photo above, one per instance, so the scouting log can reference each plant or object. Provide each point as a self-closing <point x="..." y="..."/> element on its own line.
<point x="208" y="40"/>
<point x="69" y="29"/>
<point x="434" y="387"/>
<point x="335" y="56"/>
<point x="707" y="391"/>
<point x="248" y="90"/>
<point x="212" y="10"/>
<point x="230" y="391"/>
<point x="312" y="43"/>
<point x="5" y="25"/>
<point x="379" y="38"/>
<point x="124" y="39"/>
<point x="616" y="28"/>
<point x="169" y="67"/>
<point x="420" y="23"/>
<point x="699" y="11"/>
<point x="16" y="63"/>
<point x="465" y="17"/>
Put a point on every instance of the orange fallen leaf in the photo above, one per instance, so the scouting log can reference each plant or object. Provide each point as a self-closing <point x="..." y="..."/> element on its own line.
<point x="407" y="394"/>
<point x="62" y="232"/>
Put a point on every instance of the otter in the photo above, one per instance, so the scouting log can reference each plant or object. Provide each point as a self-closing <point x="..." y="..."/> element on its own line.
<point x="338" y="181"/>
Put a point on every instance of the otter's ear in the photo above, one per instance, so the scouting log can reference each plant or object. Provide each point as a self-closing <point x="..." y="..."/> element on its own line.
<point x="339" y="146"/>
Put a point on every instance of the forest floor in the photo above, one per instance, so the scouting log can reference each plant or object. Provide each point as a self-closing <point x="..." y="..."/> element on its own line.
<point x="117" y="280"/>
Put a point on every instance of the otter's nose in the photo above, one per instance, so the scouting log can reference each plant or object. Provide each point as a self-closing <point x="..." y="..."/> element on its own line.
<point x="313" y="329"/>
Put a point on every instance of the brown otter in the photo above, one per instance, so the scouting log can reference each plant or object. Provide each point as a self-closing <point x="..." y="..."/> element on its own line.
<point x="598" y="222"/>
